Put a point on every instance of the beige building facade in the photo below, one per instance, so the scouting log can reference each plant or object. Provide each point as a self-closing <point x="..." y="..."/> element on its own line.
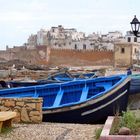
<point x="126" y="54"/>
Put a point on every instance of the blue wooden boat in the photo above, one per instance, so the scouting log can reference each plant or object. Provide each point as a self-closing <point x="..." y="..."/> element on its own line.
<point x="62" y="76"/>
<point x="13" y="84"/>
<point x="65" y="75"/>
<point x="57" y="77"/>
<point x="80" y="101"/>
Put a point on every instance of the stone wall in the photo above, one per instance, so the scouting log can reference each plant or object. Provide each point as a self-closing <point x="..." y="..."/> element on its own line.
<point x="80" y="57"/>
<point x="29" y="110"/>
<point x="59" y="57"/>
<point x="28" y="56"/>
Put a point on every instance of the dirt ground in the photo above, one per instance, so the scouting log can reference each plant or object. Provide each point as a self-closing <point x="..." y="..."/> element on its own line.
<point x="51" y="131"/>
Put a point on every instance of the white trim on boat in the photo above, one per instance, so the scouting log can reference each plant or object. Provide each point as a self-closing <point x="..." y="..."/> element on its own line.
<point x="103" y="106"/>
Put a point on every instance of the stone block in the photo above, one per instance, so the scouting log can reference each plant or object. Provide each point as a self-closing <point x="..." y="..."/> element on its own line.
<point x="9" y="103"/>
<point x="24" y="115"/>
<point x="3" y="108"/>
<point x="18" y="108"/>
<point x="34" y="113"/>
<point x="36" y="119"/>
<point x="20" y="103"/>
<point x="32" y="105"/>
<point x="38" y="106"/>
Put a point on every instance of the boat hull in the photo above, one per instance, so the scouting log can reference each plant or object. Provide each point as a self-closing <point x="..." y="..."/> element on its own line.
<point x="135" y="86"/>
<point x="92" y="111"/>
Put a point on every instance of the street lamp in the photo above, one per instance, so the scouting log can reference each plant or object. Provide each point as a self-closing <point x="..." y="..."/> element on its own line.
<point x="135" y="25"/>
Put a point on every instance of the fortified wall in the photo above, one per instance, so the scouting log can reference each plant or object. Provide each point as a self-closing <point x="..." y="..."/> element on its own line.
<point x="80" y="57"/>
<point x="30" y="56"/>
<point x="58" y="57"/>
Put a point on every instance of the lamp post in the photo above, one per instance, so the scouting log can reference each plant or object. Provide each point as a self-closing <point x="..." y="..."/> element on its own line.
<point x="135" y="25"/>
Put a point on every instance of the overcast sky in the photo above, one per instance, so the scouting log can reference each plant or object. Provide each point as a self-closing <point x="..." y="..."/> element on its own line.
<point x="20" y="18"/>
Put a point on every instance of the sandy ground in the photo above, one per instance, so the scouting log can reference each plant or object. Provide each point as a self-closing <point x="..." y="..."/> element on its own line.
<point x="51" y="131"/>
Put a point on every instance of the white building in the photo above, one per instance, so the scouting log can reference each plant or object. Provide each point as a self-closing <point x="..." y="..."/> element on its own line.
<point x="129" y="37"/>
<point x="114" y="35"/>
<point x="62" y="38"/>
<point x="41" y="37"/>
<point x="93" y="36"/>
<point x="32" y="41"/>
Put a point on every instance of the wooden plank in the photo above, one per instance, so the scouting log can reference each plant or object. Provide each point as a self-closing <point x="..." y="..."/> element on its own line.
<point x="84" y="94"/>
<point x="7" y="115"/>
<point x="58" y="98"/>
<point x="6" y="119"/>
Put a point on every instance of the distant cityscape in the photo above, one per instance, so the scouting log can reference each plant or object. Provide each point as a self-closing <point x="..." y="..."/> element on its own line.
<point x="55" y="44"/>
<point x="63" y="38"/>
<point x="69" y="38"/>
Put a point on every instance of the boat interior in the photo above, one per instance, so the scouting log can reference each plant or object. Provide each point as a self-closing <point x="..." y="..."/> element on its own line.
<point x="67" y="93"/>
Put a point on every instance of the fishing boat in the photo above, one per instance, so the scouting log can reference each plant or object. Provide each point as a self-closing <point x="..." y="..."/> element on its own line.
<point x="58" y="77"/>
<point x="79" y="101"/>
<point x="55" y="78"/>
<point x="25" y="83"/>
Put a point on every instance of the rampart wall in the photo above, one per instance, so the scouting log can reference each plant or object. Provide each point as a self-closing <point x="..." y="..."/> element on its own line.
<point x="60" y="56"/>
<point x="80" y="57"/>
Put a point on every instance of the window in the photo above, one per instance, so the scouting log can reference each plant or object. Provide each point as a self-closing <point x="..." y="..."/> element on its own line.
<point x="135" y="50"/>
<point x="129" y="39"/>
<point x="122" y="50"/>
<point x="135" y="39"/>
<point x="75" y="46"/>
<point x="92" y="44"/>
<point x="52" y="30"/>
<point x="84" y="46"/>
